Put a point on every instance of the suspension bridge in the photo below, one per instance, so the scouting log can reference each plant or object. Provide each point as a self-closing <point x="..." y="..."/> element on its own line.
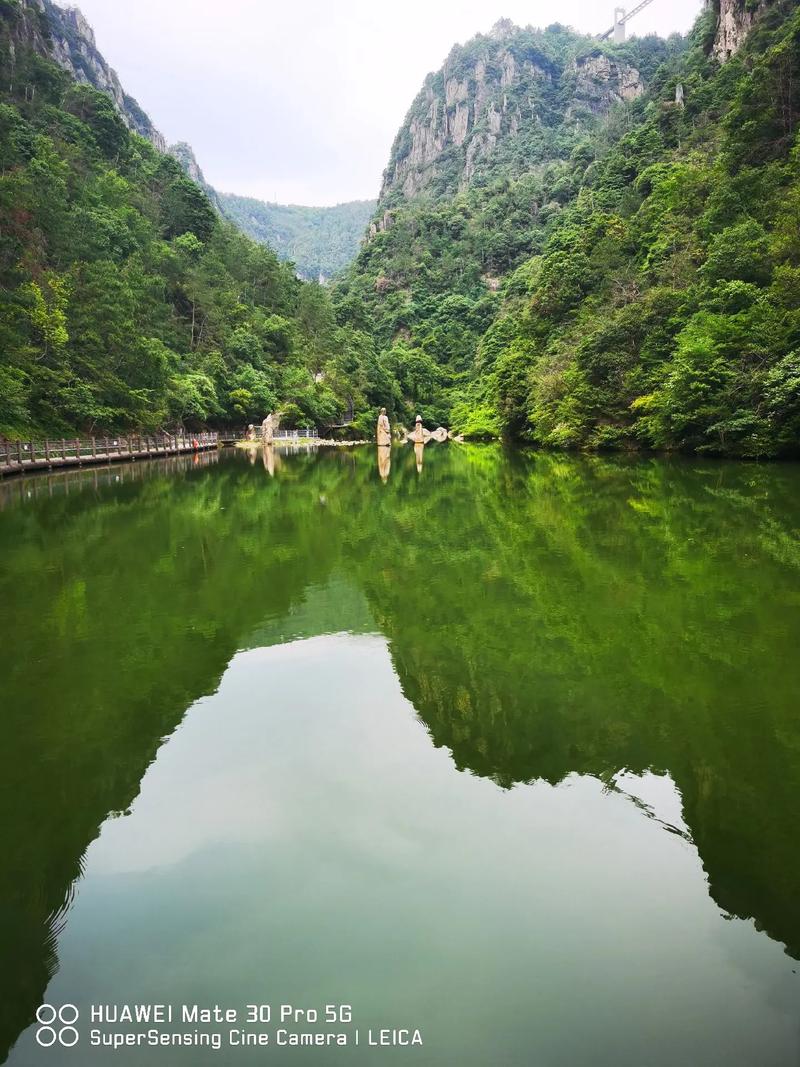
<point x="621" y="19"/>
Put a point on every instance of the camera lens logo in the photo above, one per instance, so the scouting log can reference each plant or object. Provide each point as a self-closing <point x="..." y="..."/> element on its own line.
<point x="56" y="1025"/>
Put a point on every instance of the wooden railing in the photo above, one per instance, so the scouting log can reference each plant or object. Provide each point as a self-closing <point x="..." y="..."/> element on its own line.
<point x="63" y="481"/>
<point x="16" y="456"/>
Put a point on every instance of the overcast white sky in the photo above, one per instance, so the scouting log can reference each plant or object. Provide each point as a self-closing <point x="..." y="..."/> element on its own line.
<point x="299" y="100"/>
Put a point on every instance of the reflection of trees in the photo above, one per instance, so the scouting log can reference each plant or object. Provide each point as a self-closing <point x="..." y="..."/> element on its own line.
<point x="125" y="610"/>
<point x="585" y="615"/>
<point x="545" y="615"/>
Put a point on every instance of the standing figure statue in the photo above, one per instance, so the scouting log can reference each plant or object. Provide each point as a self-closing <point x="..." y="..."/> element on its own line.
<point x="251" y="432"/>
<point x="267" y="431"/>
<point x="419" y="435"/>
<point x="384" y="429"/>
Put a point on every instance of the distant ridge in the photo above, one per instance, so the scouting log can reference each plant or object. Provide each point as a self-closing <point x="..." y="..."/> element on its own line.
<point x="320" y="241"/>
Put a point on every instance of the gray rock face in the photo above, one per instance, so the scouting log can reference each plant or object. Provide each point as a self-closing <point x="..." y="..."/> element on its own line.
<point x="491" y="91"/>
<point x="602" y="82"/>
<point x="72" y="45"/>
<point x="734" y="21"/>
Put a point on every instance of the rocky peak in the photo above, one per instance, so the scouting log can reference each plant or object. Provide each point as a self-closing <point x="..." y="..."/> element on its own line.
<point x="184" y="154"/>
<point x="502" y="29"/>
<point x="74" y="18"/>
<point x="495" y="95"/>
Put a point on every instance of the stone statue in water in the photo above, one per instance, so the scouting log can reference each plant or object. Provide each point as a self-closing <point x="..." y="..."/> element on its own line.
<point x="267" y="430"/>
<point x="419" y="435"/>
<point x="384" y="430"/>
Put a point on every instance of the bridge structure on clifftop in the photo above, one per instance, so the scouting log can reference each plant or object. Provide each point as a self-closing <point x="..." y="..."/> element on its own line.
<point x="621" y="20"/>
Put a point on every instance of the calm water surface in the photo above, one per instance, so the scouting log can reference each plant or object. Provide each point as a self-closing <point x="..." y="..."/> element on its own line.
<point x="505" y="749"/>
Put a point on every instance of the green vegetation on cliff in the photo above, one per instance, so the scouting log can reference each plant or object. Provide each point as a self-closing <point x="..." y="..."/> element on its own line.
<point x="124" y="299"/>
<point x="635" y="282"/>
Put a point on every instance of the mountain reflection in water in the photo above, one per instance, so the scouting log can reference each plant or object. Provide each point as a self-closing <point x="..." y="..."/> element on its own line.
<point x="546" y="616"/>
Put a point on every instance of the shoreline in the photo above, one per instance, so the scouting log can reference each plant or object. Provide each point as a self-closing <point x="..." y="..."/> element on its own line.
<point x="303" y="442"/>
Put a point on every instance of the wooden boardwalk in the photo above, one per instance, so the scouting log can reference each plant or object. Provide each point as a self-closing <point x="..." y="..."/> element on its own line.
<point x="17" y="457"/>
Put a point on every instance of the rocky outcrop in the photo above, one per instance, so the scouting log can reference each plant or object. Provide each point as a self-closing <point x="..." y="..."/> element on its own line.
<point x="600" y="82"/>
<point x="184" y="154"/>
<point x="495" y="90"/>
<point x="64" y="35"/>
<point x="735" y="19"/>
<point x="380" y="225"/>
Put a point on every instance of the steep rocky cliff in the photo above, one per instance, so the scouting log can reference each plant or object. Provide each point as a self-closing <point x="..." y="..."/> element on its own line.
<point x="735" y="19"/>
<point x="498" y="99"/>
<point x="63" y="34"/>
<point x="319" y="241"/>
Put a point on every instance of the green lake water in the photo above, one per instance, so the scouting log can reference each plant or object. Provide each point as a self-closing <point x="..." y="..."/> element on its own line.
<point x="505" y="750"/>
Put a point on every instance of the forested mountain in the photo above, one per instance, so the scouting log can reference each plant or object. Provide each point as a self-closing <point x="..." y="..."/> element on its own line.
<point x="578" y="244"/>
<point x="320" y="241"/>
<point x="125" y="300"/>
<point x="593" y="245"/>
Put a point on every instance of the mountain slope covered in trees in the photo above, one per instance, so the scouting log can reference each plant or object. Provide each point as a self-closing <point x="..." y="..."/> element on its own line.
<point x="320" y="241"/>
<point x="586" y="245"/>
<point x="125" y="300"/>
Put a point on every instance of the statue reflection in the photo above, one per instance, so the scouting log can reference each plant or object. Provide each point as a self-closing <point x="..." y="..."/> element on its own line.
<point x="384" y="461"/>
<point x="419" y="452"/>
<point x="270" y="460"/>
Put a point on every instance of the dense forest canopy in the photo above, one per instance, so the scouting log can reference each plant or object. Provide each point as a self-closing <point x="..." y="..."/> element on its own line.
<point x="320" y="241"/>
